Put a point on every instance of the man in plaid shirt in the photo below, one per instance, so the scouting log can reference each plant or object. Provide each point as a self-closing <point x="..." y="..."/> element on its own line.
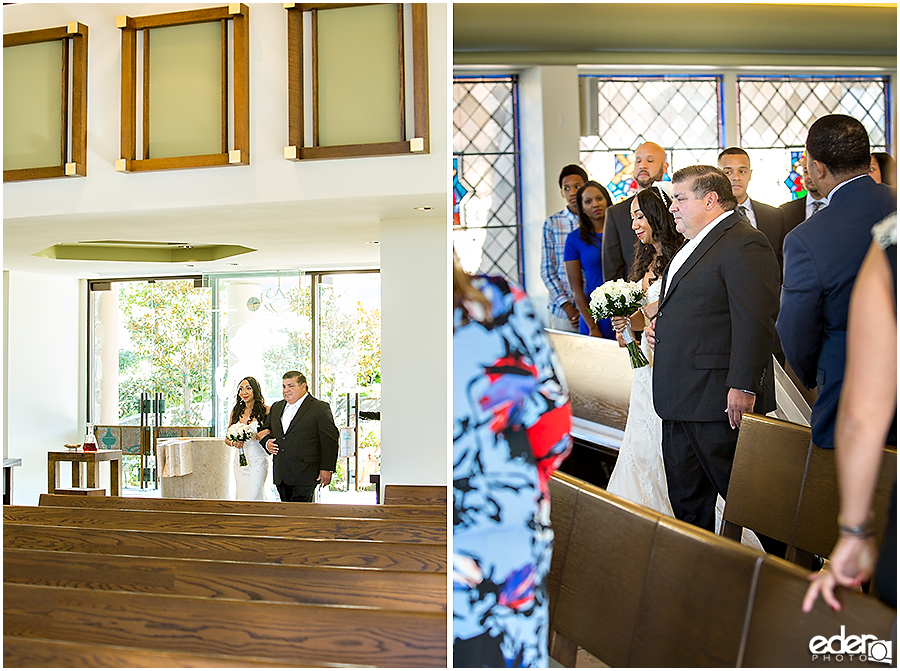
<point x="563" y="313"/>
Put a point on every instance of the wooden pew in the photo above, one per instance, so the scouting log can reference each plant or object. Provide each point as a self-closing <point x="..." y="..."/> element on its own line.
<point x="19" y="652"/>
<point x="358" y="554"/>
<point x="398" y="531"/>
<point x="276" y="583"/>
<point x="785" y="487"/>
<point x="383" y="512"/>
<point x="292" y="634"/>
<point x="689" y="599"/>
<point x="416" y="495"/>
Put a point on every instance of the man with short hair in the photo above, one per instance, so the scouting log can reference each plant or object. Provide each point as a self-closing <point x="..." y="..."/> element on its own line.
<point x="563" y="312"/>
<point x="735" y="163"/>
<point x="619" y="241"/>
<point x="712" y="337"/>
<point x="303" y="439"/>
<point x="822" y="258"/>
<point x="800" y="209"/>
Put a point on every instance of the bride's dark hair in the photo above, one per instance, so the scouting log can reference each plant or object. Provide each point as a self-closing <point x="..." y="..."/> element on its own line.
<point x="259" y="403"/>
<point x="654" y="204"/>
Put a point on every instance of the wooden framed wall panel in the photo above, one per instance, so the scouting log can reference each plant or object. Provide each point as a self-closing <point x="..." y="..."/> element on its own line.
<point x="73" y="40"/>
<point x="136" y="48"/>
<point x="413" y="138"/>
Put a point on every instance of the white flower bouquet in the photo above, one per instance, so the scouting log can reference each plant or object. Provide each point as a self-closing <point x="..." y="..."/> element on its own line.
<point x="618" y="298"/>
<point x="239" y="433"/>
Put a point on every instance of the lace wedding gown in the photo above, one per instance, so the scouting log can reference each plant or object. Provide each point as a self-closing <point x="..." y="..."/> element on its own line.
<point x="250" y="480"/>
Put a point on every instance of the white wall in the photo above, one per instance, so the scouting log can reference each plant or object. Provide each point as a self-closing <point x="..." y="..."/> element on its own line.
<point x="549" y="131"/>
<point x="42" y="376"/>
<point x="415" y="340"/>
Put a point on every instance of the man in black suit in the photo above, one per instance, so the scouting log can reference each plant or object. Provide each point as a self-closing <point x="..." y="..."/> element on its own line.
<point x="713" y="338"/>
<point x="618" y="238"/>
<point x="303" y="439"/>
<point x="800" y="209"/>
<point x="822" y="258"/>
<point x="735" y="163"/>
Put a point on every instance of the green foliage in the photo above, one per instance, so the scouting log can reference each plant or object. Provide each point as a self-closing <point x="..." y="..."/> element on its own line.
<point x="170" y="327"/>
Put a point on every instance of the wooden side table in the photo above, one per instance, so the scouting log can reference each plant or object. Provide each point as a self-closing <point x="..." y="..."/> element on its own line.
<point x="91" y="459"/>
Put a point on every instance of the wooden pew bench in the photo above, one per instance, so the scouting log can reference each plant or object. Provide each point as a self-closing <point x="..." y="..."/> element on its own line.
<point x="785" y="487"/>
<point x="277" y="583"/>
<point x="423" y="513"/>
<point x="272" y="550"/>
<point x="398" y="531"/>
<point x="292" y="634"/>
<point x="416" y="495"/>
<point x="635" y="588"/>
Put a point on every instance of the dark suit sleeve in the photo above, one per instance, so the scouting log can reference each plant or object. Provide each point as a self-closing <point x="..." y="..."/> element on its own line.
<point x="800" y="322"/>
<point x="613" y="261"/>
<point x="752" y="278"/>
<point x="328" y="437"/>
<point x="267" y="424"/>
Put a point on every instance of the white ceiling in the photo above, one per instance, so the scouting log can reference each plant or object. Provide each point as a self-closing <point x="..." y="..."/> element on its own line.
<point x="308" y="235"/>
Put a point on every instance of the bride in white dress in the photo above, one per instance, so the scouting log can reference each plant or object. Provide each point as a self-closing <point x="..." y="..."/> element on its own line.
<point x="250" y="409"/>
<point x="639" y="474"/>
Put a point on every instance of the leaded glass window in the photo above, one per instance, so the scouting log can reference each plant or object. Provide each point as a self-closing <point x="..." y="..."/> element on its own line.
<point x="775" y="114"/>
<point x="680" y="113"/>
<point x="485" y="175"/>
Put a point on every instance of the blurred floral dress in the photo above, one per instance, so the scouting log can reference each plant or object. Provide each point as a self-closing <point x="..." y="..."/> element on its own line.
<point x="511" y="422"/>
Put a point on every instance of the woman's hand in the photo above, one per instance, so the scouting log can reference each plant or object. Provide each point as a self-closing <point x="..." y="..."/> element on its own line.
<point x="852" y="562"/>
<point x="237" y="444"/>
<point x="619" y="323"/>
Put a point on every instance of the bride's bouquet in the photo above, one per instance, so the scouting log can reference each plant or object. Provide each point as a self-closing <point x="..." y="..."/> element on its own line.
<point x="239" y="433"/>
<point x="618" y="298"/>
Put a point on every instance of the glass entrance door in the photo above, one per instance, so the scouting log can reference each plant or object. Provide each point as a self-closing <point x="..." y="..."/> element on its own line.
<point x="150" y="366"/>
<point x="347" y="368"/>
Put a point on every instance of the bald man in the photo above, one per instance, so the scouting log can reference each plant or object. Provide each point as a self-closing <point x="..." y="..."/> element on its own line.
<point x="618" y="239"/>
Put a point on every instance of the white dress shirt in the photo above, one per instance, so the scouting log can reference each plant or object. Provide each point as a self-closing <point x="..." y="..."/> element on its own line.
<point x="290" y="409"/>
<point x="685" y="252"/>
<point x="748" y="212"/>
<point x="811" y="208"/>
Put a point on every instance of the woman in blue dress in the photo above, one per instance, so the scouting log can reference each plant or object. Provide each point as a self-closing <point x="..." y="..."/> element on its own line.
<point x="511" y="422"/>
<point x="584" y="257"/>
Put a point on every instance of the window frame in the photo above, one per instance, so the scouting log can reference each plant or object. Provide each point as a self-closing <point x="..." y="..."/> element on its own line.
<point x="418" y="144"/>
<point x="74" y="37"/>
<point x="239" y="15"/>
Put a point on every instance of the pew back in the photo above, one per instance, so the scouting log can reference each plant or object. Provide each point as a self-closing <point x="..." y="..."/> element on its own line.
<point x="287" y="509"/>
<point x="340" y="553"/>
<point x="416" y="495"/>
<point x="398" y="531"/>
<point x="692" y="599"/>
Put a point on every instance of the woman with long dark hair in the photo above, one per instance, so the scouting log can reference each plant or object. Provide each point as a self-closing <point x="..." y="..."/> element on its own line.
<point x="584" y="256"/>
<point x="639" y="474"/>
<point x="251" y="472"/>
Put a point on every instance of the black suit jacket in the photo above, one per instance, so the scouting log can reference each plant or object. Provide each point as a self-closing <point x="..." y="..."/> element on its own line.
<point x="311" y="439"/>
<point x="716" y="324"/>
<point x="794" y="212"/>
<point x="618" y="241"/>
<point x="770" y="220"/>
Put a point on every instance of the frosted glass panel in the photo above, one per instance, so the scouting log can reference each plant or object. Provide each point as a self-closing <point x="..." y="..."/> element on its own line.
<point x="186" y="90"/>
<point x="32" y="105"/>
<point x="359" y="75"/>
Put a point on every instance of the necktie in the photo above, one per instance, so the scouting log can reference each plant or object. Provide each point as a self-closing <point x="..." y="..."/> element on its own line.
<point x="743" y="211"/>
<point x="817" y="205"/>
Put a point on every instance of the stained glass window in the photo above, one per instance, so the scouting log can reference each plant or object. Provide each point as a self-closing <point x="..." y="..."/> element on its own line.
<point x="680" y="113"/>
<point x="485" y="169"/>
<point x="775" y="114"/>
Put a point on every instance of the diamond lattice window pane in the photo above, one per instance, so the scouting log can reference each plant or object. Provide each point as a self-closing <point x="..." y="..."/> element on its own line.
<point x="486" y="151"/>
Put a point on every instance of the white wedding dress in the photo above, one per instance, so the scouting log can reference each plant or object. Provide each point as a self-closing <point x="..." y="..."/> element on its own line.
<point x="250" y="480"/>
<point x="639" y="475"/>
